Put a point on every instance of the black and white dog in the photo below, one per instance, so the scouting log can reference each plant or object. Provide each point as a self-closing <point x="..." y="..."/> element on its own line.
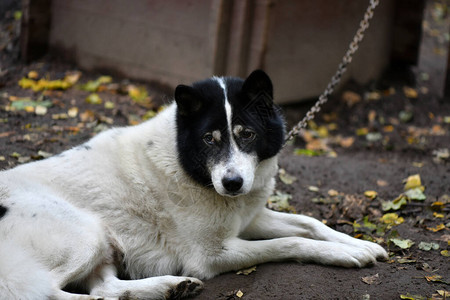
<point x="182" y="194"/>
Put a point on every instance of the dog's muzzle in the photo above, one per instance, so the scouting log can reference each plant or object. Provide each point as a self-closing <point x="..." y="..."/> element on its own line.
<point x="232" y="184"/>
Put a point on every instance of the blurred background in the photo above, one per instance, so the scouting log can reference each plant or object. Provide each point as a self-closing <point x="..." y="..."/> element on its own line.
<point x="299" y="43"/>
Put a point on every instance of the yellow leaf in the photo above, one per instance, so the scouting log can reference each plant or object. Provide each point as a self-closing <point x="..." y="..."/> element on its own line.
<point x="392" y="219"/>
<point x="109" y="105"/>
<point x="372" y="115"/>
<point x="437" y="228"/>
<point x="351" y="98"/>
<point x="362" y="131"/>
<point x="94" y="99"/>
<point x="438" y="215"/>
<point x="33" y="75"/>
<point x="332" y="193"/>
<point x="72" y="112"/>
<point x="246" y="271"/>
<point x="445" y="253"/>
<point x="26" y="83"/>
<point x="347" y="142"/>
<point x="412" y="182"/>
<point x="410" y="92"/>
<point x="322" y="131"/>
<point x="388" y="128"/>
<point x="371" y="194"/>
<point x="72" y="77"/>
<point x="239" y="294"/>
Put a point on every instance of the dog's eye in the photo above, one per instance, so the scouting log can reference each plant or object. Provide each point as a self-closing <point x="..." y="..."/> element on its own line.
<point x="247" y="134"/>
<point x="208" y="139"/>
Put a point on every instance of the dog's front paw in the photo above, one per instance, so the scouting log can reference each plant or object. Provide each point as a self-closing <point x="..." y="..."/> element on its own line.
<point x="186" y="288"/>
<point x="338" y="254"/>
<point x="351" y="256"/>
<point x="377" y="251"/>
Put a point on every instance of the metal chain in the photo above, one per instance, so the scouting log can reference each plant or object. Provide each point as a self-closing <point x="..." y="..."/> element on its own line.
<point x="346" y="60"/>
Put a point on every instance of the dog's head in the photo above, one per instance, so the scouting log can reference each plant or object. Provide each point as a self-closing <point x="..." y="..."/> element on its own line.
<point x="225" y="127"/>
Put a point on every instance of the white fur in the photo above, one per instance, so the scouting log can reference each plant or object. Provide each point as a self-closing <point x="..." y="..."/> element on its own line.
<point x="238" y="163"/>
<point x="71" y="217"/>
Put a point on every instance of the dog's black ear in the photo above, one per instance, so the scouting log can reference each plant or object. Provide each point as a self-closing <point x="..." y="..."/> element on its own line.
<point x="188" y="100"/>
<point x="258" y="85"/>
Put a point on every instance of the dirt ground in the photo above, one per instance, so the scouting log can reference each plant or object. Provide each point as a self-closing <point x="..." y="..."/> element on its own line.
<point x="367" y="139"/>
<point x="348" y="170"/>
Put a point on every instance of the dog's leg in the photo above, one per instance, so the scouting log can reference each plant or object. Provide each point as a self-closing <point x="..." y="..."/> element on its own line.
<point x="271" y="224"/>
<point x="236" y="253"/>
<point x="105" y="283"/>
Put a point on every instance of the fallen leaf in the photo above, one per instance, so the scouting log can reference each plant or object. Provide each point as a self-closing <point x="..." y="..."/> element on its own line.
<point x="409" y="296"/>
<point x="437" y="228"/>
<point x="412" y="182"/>
<point x="443" y="293"/>
<point x="418" y="164"/>
<point x="333" y="193"/>
<point x="406" y="261"/>
<point x="374" y="279"/>
<point x="312" y="188"/>
<point x="435" y="278"/>
<point x="61" y="116"/>
<point x="246" y="271"/>
<point x="87" y="116"/>
<point x="405" y="116"/>
<point x="373" y="136"/>
<point x="410" y="92"/>
<point x="372" y="95"/>
<point x="371" y="194"/>
<point x="392" y="219"/>
<point x="388" y="128"/>
<point x="33" y="75"/>
<point x="382" y="183"/>
<point x="239" y="294"/>
<point x="445" y="253"/>
<point x="402" y="243"/>
<point x="72" y="77"/>
<point x="94" y="99"/>
<point x="395" y="204"/>
<point x="285" y="177"/>
<point x="109" y="105"/>
<point x="441" y="155"/>
<point x="307" y="152"/>
<point x="72" y="112"/>
<point x="351" y="98"/>
<point x="94" y="85"/>
<point x="280" y="202"/>
<point x="428" y="246"/>
<point x="415" y="194"/>
<point x="372" y="115"/>
<point x="362" y="131"/>
<point x="40" y="110"/>
<point x="438" y="215"/>
<point x="346" y="142"/>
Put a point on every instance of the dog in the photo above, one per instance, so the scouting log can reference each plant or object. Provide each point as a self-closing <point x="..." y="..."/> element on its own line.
<point x="146" y="212"/>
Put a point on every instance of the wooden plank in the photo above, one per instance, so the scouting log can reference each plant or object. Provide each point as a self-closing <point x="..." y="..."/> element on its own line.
<point x="35" y="29"/>
<point x="434" y="46"/>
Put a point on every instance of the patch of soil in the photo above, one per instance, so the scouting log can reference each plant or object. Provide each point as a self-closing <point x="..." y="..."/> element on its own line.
<point x="386" y="151"/>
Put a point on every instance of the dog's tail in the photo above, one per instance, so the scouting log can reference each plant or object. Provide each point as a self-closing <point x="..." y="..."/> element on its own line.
<point x="21" y="277"/>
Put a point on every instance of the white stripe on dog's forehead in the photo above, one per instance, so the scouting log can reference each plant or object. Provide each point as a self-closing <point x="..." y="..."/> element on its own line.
<point x="228" y="112"/>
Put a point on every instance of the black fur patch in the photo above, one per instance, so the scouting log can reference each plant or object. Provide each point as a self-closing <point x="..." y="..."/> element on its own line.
<point x="3" y="211"/>
<point x="201" y="110"/>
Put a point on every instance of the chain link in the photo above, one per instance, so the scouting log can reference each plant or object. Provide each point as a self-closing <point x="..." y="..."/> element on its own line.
<point x="346" y="60"/>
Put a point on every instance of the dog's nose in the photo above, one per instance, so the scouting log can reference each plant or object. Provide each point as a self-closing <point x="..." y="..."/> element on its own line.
<point x="233" y="183"/>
